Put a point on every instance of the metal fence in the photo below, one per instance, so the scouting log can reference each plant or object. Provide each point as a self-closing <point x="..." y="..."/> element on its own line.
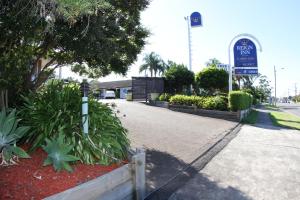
<point x="142" y="87"/>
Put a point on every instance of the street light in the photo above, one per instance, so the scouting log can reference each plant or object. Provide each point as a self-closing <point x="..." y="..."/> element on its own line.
<point x="276" y="84"/>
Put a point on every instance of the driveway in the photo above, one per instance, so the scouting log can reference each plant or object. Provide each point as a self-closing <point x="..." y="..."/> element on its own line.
<point x="172" y="139"/>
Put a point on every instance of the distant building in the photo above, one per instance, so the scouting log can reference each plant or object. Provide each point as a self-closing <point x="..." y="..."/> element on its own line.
<point x="120" y="87"/>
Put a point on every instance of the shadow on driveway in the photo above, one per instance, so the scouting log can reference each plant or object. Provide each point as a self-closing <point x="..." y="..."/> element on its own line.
<point x="166" y="172"/>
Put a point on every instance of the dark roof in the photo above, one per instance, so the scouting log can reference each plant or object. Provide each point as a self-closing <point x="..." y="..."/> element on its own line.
<point x="115" y="84"/>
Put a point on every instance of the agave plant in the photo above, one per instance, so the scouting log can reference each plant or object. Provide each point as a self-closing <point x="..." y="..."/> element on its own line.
<point x="58" y="153"/>
<point x="9" y="136"/>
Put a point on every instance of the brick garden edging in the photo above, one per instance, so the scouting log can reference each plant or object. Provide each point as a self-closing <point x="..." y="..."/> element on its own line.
<point x="127" y="182"/>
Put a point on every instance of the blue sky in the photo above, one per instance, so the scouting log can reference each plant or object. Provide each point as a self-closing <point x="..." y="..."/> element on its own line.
<point x="275" y="23"/>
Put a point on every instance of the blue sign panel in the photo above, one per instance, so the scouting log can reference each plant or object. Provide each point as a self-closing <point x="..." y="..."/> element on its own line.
<point x="195" y="19"/>
<point x="245" y="53"/>
<point x="246" y="71"/>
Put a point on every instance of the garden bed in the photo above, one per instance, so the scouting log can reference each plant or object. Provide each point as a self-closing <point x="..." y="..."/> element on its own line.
<point x="30" y="180"/>
<point x="232" y="116"/>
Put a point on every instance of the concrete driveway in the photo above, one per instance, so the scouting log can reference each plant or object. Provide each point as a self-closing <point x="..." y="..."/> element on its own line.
<point x="172" y="139"/>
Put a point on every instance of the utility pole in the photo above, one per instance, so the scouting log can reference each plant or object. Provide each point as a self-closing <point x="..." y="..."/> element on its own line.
<point x="295" y="89"/>
<point x="275" y="85"/>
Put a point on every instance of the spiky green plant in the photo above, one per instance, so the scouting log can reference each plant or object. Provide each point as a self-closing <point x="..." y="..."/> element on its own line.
<point x="58" y="155"/>
<point x="58" y="105"/>
<point x="10" y="134"/>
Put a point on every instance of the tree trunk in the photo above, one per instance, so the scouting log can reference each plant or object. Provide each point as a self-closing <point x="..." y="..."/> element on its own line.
<point x="4" y="99"/>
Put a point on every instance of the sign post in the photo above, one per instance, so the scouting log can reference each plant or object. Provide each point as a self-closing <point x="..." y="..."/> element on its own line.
<point x="194" y="20"/>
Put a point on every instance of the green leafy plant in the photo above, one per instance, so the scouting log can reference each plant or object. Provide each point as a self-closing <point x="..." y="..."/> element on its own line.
<point x="58" y="155"/>
<point x="209" y="103"/>
<point x="178" y="78"/>
<point x="10" y="134"/>
<point x="239" y="100"/>
<point x="58" y="105"/>
<point x="212" y="80"/>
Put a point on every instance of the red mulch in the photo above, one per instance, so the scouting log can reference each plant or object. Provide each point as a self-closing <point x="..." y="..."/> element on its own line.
<point x="30" y="180"/>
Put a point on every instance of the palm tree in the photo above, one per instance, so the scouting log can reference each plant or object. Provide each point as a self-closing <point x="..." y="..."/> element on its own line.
<point x="153" y="63"/>
<point x="213" y="62"/>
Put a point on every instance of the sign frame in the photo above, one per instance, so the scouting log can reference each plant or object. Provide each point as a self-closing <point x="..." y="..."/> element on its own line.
<point x="245" y="57"/>
<point x="195" y="19"/>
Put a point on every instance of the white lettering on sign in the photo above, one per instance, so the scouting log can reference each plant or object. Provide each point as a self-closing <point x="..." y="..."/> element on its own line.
<point x="245" y="50"/>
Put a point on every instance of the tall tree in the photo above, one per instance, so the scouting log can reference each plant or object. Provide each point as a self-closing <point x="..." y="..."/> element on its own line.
<point x="153" y="63"/>
<point x="248" y="81"/>
<point x="94" y="37"/>
<point x="264" y="88"/>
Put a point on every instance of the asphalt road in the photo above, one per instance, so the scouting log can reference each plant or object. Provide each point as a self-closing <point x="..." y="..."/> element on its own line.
<point x="290" y="107"/>
<point x="172" y="139"/>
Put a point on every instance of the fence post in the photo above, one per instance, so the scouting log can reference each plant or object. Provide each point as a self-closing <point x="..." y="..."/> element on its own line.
<point x="138" y="162"/>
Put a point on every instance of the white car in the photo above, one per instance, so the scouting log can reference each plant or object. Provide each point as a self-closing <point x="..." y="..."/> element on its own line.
<point x="110" y="94"/>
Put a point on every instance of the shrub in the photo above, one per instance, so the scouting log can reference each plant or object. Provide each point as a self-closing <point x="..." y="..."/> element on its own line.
<point x="215" y="103"/>
<point x="58" y="106"/>
<point x="212" y="79"/>
<point x="239" y="100"/>
<point x="178" y="78"/>
<point x="9" y="136"/>
<point x="58" y="151"/>
<point x="185" y="100"/>
<point x="165" y="97"/>
<point x="210" y="103"/>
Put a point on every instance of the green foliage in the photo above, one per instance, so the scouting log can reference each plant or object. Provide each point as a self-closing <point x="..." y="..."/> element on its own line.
<point x="208" y="103"/>
<point x="48" y="111"/>
<point x="239" y="100"/>
<point x="178" y="78"/>
<point x="212" y="79"/>
<point x="10" y="134"/>
<point x="216" y="103"/>
<point x="261" y="92"/>
<point x="58" y="151"/>
<point x="164" y="97"/>
<point x="296" y="98"/>
<point x="93" y="37"/>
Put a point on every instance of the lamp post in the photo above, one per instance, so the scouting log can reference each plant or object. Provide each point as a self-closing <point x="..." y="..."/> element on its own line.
<point x="84" y="87"/>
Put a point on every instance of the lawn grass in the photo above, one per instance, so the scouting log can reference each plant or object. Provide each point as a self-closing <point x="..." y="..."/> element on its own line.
<point x="251" y="118"/>
<point x="285" y="120"/>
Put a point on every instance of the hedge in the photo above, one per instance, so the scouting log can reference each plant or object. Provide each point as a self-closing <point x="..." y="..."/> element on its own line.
<point x="209" y="103"/>
<point x="239" y="100"/>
